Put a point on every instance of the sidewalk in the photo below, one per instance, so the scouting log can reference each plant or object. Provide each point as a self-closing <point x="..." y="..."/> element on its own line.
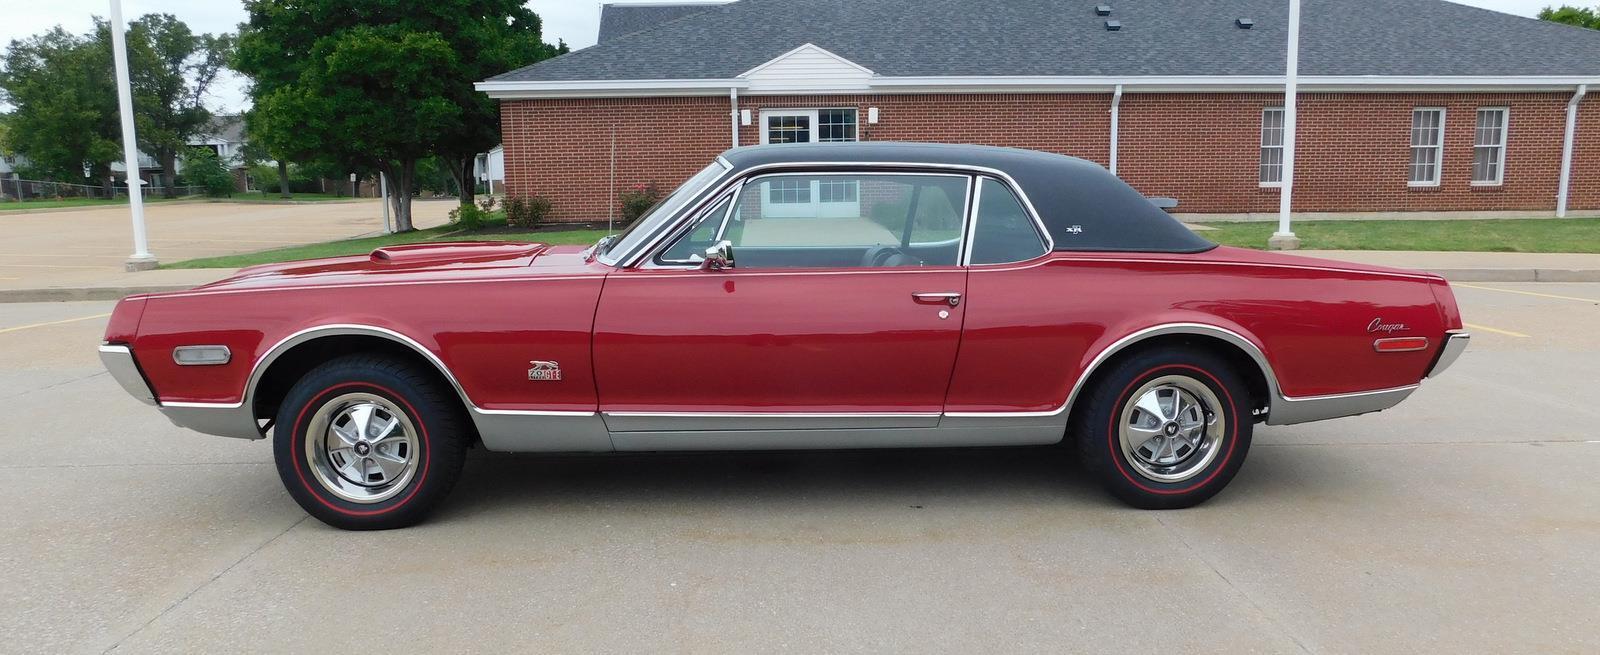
<point x="100" y="284"/>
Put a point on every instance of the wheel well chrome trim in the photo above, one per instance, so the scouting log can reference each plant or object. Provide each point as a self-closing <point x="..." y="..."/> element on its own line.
<point x="1196" y="329"/>
<point x="284" y="345"/>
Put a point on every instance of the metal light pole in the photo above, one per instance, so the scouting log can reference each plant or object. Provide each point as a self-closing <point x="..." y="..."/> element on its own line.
<point x="141" y="260"/>
<point x="1284" y="238"/>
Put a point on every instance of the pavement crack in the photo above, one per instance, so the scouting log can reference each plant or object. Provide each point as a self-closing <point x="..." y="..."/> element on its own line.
<point x="118" y="643"/>
<point x="1236" y="589"/>
<point x="58" y="384"/>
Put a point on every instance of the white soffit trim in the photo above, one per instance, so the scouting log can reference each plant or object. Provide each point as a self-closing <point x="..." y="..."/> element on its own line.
<point x="1022" y="84"/>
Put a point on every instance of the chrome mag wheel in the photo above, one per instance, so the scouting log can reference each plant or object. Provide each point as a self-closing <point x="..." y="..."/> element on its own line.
<point x="1171" y="428"/>
<point x="361" y="447"/>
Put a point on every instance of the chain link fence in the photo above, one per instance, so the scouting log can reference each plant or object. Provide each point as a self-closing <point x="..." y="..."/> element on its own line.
<point x="15" y="188"/>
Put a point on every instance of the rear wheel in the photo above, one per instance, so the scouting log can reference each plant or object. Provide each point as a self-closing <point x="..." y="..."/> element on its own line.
<point x="369" y="443"/>
<point x="1166" y="428"/>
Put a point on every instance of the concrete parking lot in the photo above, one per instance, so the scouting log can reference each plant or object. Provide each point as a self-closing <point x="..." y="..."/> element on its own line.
<point x="82" y="246"/>
<point x="1467" y="519"/>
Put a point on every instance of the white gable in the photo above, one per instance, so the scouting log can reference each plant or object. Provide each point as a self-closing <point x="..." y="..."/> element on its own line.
<point x="808" y="68"/>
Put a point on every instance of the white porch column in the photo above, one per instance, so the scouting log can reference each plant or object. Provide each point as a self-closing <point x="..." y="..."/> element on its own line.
<point x="733" y="113"/>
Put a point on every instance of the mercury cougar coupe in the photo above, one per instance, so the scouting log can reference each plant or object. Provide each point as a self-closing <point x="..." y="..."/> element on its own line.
<point x="871" y="295"/>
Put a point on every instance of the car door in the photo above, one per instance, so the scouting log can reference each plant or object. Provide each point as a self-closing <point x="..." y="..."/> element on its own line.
<point x="823" y="321"/>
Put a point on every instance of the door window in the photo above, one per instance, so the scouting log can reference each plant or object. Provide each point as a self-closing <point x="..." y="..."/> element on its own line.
<point x="1005" y="232"/>
<point x="831" y="220"/>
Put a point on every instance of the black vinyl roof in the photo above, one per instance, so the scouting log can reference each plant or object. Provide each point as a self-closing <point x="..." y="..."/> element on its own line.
<point x="897" y="38"/>
<point x="1083" y="206"/>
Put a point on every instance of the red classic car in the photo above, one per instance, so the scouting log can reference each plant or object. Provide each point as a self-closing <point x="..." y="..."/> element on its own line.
<point x="872" y="295"/>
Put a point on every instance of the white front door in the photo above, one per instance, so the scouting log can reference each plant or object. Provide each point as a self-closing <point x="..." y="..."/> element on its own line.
<point x="809" y="198"/>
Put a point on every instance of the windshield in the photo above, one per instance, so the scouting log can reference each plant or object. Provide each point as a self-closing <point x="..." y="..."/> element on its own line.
<point x="641" y="229"/>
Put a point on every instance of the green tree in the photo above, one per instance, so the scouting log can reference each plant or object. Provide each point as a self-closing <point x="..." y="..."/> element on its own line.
<point x="1582" y="17"/>
<point x="202" y="167"/>
<point x="171" y="69"/>
<point x="496" y="36"/>
<point x="382" y="83"/>
<point x="65" y="105"/>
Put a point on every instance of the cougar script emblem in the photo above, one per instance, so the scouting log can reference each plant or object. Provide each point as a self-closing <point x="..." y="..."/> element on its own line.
<point x="1377" y="325"/>
<point x="544" y="371"/>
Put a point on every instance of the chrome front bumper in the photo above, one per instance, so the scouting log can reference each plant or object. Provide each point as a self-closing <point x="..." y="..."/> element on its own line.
<point x="1455" y="342"/>
<point x="118" y="360"/>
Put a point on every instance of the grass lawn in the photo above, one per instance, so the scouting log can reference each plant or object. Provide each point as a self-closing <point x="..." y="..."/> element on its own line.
<point x="12" y="205"/>
<point x="366" y="245"/>
<point x="1491" y="235"/>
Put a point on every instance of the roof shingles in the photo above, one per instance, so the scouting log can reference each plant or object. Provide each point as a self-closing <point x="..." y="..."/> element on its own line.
<point x="913" y="38"/>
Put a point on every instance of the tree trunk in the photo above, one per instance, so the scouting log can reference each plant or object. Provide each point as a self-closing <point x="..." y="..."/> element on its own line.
<point x="111" y="185"/>
<point x="169" y="172"/>
<point x="283" y="180"/>
<point x="466" y="184"/>
<point x="400" y="180"/>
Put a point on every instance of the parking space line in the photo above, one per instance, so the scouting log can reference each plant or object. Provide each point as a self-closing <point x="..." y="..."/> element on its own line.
<point x="50" y="323"/>
<point x="1486" y="328"/>
<point x="1528" y="293"/>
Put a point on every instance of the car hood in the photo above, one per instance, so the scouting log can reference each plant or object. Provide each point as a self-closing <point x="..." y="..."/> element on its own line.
<point x="410" y="262"/>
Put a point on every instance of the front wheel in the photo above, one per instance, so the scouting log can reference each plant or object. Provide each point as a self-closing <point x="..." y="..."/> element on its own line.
<point x="369" y="443"/>
<point x="1166" y="428"/>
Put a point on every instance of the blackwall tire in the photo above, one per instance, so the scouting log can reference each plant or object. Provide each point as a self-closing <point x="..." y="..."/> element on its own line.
<point x="369" y="443"/>
<point x="1166" y="428"/>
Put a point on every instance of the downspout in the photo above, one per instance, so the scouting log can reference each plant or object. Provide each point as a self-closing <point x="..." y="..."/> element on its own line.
<point x="733" y="113"/>
<point x="1566" y="149"/>
<point x="1116" y="112"/>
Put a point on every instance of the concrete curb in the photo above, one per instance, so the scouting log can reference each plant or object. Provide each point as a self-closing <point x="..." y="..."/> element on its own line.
<point x="83" y="294"/>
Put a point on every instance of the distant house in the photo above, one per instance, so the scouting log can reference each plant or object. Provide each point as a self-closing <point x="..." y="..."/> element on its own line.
<point x="224" y="135"/>
<point x="1405" y="106"/>
<point x="490" y="169"/>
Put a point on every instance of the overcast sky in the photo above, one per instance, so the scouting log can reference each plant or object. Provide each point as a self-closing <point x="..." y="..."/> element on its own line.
<point x="575" y="21"/>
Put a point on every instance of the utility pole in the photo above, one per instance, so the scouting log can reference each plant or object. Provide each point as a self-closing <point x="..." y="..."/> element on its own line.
<point x="1284" y="238"/>
<point x="141" y="259"/>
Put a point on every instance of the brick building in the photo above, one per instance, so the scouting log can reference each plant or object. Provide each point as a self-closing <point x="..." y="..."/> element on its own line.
<point x="1405" y="105"/>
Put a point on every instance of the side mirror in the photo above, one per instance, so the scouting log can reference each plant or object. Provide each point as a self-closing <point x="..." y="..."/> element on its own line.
<point x="718" y="257"/>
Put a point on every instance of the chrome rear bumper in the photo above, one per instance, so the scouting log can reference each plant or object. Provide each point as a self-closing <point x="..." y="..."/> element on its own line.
<point x="1455" y="342"/>
<point x="118" y="360"/>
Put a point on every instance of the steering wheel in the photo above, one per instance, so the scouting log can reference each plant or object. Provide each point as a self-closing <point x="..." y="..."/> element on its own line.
<point x="886" y="256"/>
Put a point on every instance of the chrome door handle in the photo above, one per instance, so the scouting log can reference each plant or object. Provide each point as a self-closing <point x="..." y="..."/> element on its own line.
<point x="937" y="298"/>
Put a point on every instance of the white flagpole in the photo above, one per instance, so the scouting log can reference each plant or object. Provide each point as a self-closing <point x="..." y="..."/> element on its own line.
<point x="141" y="260"/>
<point x="1284" y="238"/>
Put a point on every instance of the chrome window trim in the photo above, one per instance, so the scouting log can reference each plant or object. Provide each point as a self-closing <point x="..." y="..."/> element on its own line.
<point x="972" y="237"/>
<point x="682" y="232"/>
<point x="693" y="200"/>
<point x="653" y="260"/>
<point x="649" y="248"/>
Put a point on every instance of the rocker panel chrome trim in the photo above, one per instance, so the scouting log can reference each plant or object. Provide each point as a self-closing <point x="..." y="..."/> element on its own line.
<point x="836" y="439"/>
<point x="758" y="421"/>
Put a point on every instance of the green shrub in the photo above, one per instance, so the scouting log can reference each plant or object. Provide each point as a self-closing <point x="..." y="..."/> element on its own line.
<point x="638" y="200"/>
<point x="468" y="217"/>
<point x="202" y="168"/>
<point x="527" y="212"/>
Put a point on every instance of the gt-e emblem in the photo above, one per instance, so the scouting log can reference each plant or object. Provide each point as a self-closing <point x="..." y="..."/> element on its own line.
<point x="544" y="371"/>
<point x="1377" y="325"/>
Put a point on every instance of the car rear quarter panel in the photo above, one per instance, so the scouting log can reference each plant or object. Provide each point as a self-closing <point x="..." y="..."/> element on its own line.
<point x="485" y="331"/>
<point x="1032" y="330"/>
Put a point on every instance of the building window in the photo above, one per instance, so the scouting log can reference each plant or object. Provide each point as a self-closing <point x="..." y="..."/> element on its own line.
<point x="789" y="191"/>
<point x="837" y="191"/>
<point x="836" y="125"/>
<point x="1489" y="148"/>
<point x="808" y="125"/>
<point x="1427" y="146"/>
<point x="1272" y="147"/>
